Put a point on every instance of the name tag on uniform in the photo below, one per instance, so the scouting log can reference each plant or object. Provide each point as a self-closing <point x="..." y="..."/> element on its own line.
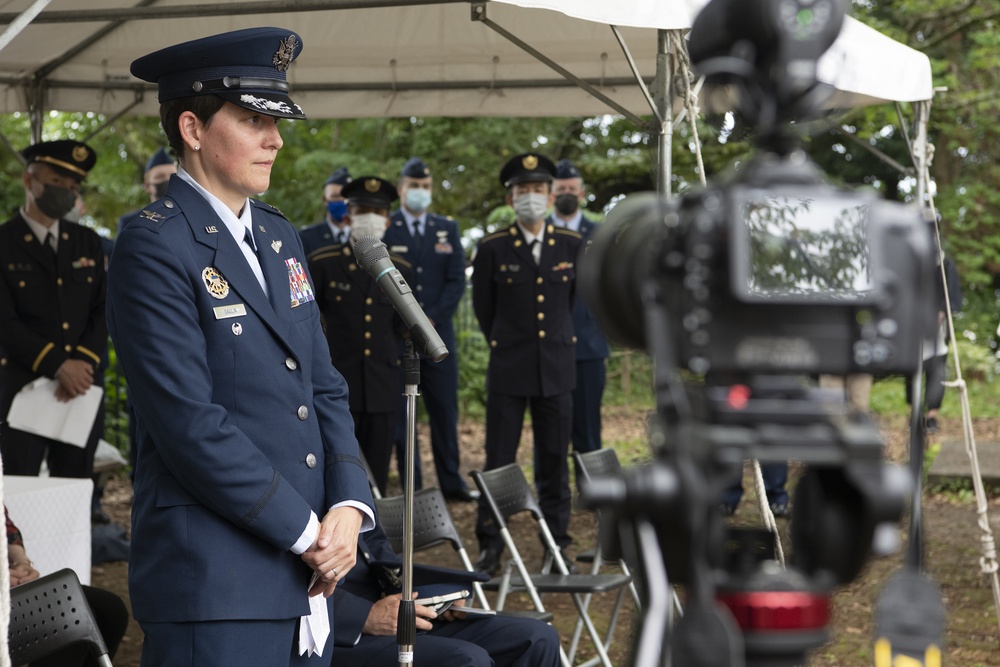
<point x="398" y="249"/>
<point x="234" y="310"/>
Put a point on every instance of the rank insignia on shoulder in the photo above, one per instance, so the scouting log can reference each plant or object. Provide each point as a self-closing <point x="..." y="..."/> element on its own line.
<point x="151" y="215"/>
<point x="298" y="283"/>
<point x="215" y="283"/>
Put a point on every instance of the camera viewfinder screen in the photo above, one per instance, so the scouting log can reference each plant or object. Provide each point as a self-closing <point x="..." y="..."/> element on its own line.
<point x="805" y="249"/>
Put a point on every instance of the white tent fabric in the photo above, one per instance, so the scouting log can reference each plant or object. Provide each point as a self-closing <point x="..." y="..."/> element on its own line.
<point x="407" y="58"/>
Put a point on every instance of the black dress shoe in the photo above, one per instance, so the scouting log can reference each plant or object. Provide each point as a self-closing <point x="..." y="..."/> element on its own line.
<point x="488" y="562"/>
<point x="462" y="496"/>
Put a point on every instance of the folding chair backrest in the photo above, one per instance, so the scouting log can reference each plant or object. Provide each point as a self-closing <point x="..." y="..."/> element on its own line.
<point x="432" y="522"/>
<point x="508" y="488"/>
<point x="598" y="463"/>
<point x="51" y="613"/>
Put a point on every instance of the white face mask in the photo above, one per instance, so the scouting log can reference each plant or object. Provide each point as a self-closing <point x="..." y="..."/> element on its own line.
<point x="418" y="200"/>
<point x="368" y="224"/>
<point x="531" y="207"/>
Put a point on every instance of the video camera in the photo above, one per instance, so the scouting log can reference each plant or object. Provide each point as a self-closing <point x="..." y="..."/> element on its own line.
<point x="743" y="292"/>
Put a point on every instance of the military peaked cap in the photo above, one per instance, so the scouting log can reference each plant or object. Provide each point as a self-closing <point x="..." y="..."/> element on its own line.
<point x="245" y="67"/>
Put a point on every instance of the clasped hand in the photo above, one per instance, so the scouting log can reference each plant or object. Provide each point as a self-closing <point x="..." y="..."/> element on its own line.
<point x="335" y="550"/>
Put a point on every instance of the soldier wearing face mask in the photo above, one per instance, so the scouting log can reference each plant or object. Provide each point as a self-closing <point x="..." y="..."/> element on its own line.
<point x="333" y="228"/>
<point x="51" y="304"/>
<point x="431" y="243"/>
<point x="361" y="325"/>
<point x="159" y="168"/>
<point x="523" y="285"/>
<point x="592" y="348"/>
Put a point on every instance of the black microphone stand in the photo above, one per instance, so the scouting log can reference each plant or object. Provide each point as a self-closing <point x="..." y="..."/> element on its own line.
<point x="406" y="620"/>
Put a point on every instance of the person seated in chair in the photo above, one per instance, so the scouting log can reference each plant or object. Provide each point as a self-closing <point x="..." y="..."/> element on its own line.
<point x="366" y="604"/>
<point x="110" y="613"/>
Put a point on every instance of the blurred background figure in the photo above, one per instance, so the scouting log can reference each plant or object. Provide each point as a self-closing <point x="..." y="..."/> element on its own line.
<point x="332" y="229"/>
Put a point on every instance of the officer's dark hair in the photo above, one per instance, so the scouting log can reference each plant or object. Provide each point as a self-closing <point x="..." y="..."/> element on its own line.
<point x="202" y="106"/>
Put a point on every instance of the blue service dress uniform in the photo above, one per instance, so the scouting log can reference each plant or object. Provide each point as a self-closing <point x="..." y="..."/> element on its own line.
<point x="365" y="336"/>
<point x="525" y="311"/>
<point x="243" y="422"/>
<point x="51" y="310"/>
<point x="501" y="641"/>
<point x="438" y="285"/>
<point x="592" y="351"/>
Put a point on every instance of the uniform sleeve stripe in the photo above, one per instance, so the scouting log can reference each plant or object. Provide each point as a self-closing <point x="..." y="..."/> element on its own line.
<point x="96" y="358"/>
<point x="41" y="355"/>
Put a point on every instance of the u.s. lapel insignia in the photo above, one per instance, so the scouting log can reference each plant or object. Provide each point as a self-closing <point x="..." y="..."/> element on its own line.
<point x="276" y="245"/>
<point x="211" y="229"/>
<point x="151" y="215"/>
<point x="215" y="283"/>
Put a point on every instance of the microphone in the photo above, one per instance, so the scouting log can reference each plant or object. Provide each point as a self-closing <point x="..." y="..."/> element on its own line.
<point x="374" y="258"/>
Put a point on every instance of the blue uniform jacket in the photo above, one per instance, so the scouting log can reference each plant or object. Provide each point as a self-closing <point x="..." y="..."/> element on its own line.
<point x="590" y="341"/>
<point x="439" y="268"/>
<point x="243" y="422"/>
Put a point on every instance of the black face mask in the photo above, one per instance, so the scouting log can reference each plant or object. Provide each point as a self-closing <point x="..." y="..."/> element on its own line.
<point x="160" y="189"/>
<point x="55" y="201"/>
<point x="567" y="204"/>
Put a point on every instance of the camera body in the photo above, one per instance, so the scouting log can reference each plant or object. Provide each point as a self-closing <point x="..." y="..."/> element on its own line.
<point x="769" y="270"/>
<point x="775" y="271"/>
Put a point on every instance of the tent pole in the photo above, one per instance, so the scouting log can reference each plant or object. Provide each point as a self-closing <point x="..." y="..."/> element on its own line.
<point x="21" y="22"/>
<point x="665" y="130"/>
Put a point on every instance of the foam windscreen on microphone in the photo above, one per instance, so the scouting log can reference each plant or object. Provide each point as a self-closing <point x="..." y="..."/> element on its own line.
<point x="369" y="249"/>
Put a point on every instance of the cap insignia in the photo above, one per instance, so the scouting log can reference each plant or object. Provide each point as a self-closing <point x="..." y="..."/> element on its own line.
<point x="372" y="185"/>
<point x="286" y="50"/>
<point x="80" y="153"/>
<point x="530" y="161"/>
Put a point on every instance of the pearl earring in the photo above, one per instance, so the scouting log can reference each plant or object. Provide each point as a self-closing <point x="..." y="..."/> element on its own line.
<point x="197" y="147"/>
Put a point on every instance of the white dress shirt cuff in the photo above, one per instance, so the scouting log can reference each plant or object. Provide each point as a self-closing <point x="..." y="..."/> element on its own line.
<point x="308" y="536"/>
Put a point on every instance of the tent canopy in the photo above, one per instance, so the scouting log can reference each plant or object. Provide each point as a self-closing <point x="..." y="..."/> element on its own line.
<point x="405" y="57"/>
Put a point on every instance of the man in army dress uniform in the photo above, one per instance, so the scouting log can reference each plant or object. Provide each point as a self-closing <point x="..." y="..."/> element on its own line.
<point x="51" y="304"/>
<point x="362" y="327"/>
<point x="522" y="291"/>
<point x="431" y="243"/>
<point x="332" y="229"/>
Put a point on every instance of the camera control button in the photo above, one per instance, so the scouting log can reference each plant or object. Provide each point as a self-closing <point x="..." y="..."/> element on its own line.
<point x="888" y="327"/>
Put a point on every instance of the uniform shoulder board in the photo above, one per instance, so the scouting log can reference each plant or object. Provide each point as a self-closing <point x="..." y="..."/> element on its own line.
<point x="155" y="214"/>
<point x="569" y="232"/>
<point x="264" y="206"/>
<point x="399" y="261"/>
<point x="496" y="235"/>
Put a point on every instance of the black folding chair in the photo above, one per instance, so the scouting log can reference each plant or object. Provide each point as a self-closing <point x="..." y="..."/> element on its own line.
<point x="49" y="614"/>
<point x="507" y="492"/>
<point x="432" y="526"/>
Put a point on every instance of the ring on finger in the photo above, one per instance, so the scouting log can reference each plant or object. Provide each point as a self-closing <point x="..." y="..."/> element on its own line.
<point x="335" y="573"/>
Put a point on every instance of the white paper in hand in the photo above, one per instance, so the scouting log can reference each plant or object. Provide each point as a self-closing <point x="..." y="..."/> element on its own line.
<point x="314" y="629"/>
<point x="36" y="409"/>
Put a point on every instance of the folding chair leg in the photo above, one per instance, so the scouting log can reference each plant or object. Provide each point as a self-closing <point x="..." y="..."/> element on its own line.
<point x="591" y="630"/>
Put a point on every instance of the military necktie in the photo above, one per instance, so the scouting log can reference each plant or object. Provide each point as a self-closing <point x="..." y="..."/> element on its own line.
<point x="50" y="243"/>
<point x="536" y="251"/>
<point x="418" y="238"/>
<point x="248" y="239"/>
